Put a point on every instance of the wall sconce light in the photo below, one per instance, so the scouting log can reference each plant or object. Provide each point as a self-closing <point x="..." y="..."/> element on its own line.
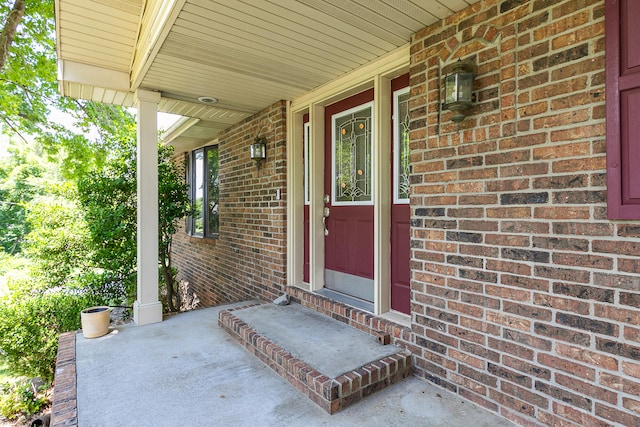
<point x="458" y="86"/>
<point x="258" y="150"/>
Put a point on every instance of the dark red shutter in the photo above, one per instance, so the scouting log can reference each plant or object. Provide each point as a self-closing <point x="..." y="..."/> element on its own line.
<point x="623" y="108"/>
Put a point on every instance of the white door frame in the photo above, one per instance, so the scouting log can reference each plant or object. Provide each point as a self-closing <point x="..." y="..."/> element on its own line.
<point x="378" y="75"/>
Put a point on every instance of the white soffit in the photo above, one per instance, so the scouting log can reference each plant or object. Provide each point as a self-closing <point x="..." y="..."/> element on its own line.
<point x="246" y="53"/>
<point x="249" y="54"/>
<point x="100" y="33"/>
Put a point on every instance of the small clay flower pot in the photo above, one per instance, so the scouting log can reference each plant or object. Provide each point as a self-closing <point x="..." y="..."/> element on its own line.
<point x="95" y="321"/>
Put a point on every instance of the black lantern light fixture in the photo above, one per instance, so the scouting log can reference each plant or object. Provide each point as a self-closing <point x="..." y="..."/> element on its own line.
<point x="458" y="86"/>
<point x="258" y="150"/>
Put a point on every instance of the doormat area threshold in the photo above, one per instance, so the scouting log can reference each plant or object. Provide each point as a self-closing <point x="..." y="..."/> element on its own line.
<point x="331" y="394"/>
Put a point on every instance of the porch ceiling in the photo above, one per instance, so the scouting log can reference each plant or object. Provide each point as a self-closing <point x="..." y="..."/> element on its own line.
<point x="247" y="54"/>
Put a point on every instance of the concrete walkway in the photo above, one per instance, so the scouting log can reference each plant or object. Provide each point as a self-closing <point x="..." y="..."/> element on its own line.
<point x="185" y="371"/>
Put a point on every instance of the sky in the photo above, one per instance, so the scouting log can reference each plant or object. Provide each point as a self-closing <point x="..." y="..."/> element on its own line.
<point x="165" y="121"/>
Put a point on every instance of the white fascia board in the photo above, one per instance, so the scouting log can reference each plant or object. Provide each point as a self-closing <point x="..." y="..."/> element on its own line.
<point x="77" y="72"/>
<point x="178" y="128"/>
<point x="155" y="25"/>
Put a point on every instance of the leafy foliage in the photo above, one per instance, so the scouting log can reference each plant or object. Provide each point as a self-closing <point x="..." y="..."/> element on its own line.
<point x="80" y="230"/>
<point x="174" y="205"/>
<point x="21" y="180"/>
<point x="20" y="399"/>
<point x="29" y="94"/>
<point x="109" y="206"/>
<point x="58" y="242"/>
<point x="29" y="86"/>
<point x="108" y="200"/>
<point x="31" y="321"/>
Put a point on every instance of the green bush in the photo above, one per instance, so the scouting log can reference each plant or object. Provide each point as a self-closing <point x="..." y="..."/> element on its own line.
<point x="20" y="399"/>
<point x="58" y="243"/>
<point x="12" y="263"/>
<point x="30" y="325"/>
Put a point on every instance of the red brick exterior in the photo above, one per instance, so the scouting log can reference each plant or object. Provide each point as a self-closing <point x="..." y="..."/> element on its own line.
<point x="64" y="406"/>
<point x="525" y="298"/>
<point x="248" y="260"/>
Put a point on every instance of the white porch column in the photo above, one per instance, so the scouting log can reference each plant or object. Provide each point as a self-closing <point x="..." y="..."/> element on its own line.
<point x="316" y="190"/>
<point x="382" y="196"/>
<point x="147" y="307"/>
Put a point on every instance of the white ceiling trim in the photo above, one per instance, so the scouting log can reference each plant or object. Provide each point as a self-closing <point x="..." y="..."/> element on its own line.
<point x="178" y="128"/>
<point x="71" y="71"/>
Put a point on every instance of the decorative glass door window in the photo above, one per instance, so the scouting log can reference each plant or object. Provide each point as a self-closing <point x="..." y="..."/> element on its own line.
<point x="353" y="156"/>
<point x="401" y="184"/>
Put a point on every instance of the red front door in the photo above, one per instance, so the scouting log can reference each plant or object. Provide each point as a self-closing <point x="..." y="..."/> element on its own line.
<point x="349" y="196"/>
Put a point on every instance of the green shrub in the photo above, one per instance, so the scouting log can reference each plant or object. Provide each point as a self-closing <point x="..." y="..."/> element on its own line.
<point x="30" y="325"/>
<point x="20" y="399"/>
<point x="58" y="243"/>
<point x="12" y="263"/>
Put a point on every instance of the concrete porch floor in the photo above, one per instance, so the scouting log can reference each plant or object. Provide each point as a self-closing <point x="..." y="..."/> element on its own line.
<point x="186" y="371"/>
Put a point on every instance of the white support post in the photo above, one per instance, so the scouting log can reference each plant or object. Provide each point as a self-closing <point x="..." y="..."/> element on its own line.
<point x="316" y="232"/>
<point x="382" y="198"/>
<point x="147" y="307"/>
<point x="295" y="198"/>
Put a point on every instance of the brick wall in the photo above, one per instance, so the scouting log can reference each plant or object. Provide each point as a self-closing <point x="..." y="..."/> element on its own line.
<point x="525" y="297"/>
<point x="248" y="260"/>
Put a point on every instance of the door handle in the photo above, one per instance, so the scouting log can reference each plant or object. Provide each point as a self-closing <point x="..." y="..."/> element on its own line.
<point x="325" y="215"/>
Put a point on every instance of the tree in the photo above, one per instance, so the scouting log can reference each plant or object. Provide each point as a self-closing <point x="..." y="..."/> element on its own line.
<point x="29" y="92"/>
<point x="58" y="242"/>
<point x="20" y="182"/>
<point x="104" y="167"/>
<point x="9" y="30"/>
<point x="82" y="230"/>
<point x="109" y="201"/>
<point x="28" y="72"/>
<point x="174" y="205"/>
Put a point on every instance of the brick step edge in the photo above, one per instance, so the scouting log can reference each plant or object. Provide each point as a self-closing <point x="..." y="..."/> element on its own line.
<point x="331" y="394"/>
<point x="64" y="407"/>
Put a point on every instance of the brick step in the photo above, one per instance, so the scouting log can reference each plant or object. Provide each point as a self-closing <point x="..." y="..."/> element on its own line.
<point x="330" y="393"/>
